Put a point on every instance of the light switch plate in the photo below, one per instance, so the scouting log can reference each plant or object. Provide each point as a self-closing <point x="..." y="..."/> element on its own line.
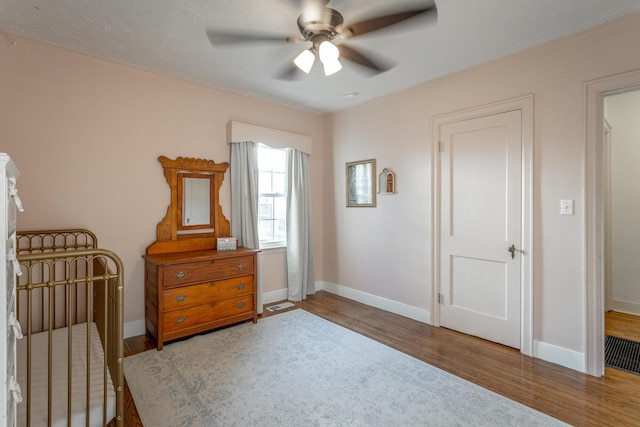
<point x="566" y="207"/>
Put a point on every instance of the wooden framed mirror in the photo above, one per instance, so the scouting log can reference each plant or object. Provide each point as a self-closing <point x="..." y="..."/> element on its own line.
<point x="361" y="183"/>
<point x="194" y="218"/>
<point x="195" y="193"/>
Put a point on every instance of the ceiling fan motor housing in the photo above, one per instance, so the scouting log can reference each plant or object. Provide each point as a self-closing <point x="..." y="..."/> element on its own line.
<point x="320" y="25"/>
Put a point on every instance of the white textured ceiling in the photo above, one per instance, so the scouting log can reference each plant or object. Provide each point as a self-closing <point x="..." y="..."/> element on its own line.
<point x="168" y="36"/>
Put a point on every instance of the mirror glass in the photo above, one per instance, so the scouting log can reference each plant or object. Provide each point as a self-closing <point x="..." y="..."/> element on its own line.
<point x="361" y="182"/>
<point x="196" y="206"/>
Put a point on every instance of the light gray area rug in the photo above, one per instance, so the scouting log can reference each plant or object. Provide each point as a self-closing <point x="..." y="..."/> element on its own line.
<point x="297" y="369"/>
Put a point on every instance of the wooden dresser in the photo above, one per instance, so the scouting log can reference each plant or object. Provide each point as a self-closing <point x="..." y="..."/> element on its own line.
<point x="195" y="291"/>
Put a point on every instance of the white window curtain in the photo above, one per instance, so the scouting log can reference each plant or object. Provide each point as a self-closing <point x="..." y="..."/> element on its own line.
<point x="244" y="200"/>
<point x="299" y="227"/>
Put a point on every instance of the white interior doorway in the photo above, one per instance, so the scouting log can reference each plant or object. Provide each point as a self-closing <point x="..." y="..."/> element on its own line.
<point x="596" y="211"/>
<point x="621" y="152"/>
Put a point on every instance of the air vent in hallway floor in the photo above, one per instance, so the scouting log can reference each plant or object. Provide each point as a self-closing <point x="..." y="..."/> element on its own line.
<point x="280" y="306"/>
<point x="622" y="354"/>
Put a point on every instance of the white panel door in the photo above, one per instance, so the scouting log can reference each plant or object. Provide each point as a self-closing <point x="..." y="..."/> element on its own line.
<point x="480" y="220"/>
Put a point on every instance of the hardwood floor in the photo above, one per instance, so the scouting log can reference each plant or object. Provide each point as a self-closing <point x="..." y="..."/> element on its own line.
<point x="563" y="393"/>
<point x="622" y="325"/>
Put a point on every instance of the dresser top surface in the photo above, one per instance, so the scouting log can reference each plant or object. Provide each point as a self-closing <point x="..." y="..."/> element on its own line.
<point x="193" y="256"/>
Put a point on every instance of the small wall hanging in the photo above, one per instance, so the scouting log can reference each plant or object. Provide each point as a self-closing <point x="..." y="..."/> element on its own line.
<point x="387" y="181"/>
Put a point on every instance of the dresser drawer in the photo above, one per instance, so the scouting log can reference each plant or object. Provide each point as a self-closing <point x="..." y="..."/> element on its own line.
<point x="186" y="296"/>
<point x="198" y="315"/>
<point x="201" y="271"/>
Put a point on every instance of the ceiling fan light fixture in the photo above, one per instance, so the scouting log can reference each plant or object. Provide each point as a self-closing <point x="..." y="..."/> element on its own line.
<point x="305" y="60"/>
<point x="332" y="67"/>
<point x="328" y="52"/>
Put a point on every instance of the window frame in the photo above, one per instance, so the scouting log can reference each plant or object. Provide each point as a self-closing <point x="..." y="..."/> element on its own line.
<point x="268" y="244"/>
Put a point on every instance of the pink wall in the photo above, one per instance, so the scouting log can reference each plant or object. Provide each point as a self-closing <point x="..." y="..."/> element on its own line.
<point x="386" y="252"/>
<point x="86" y="134"/>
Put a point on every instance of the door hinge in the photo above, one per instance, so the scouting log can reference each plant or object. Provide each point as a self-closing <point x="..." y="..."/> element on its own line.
<point x="439" y="147"/>
<point x="440" y="298"/>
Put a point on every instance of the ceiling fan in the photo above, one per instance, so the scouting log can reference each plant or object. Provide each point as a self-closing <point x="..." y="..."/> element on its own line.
<point x="325" y="29"/>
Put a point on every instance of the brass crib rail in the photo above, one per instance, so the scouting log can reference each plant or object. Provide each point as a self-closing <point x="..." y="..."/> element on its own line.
<point x="56" y="274"/>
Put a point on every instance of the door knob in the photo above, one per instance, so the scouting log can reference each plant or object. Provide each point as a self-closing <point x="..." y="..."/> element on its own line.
<point x="512" y="249"/>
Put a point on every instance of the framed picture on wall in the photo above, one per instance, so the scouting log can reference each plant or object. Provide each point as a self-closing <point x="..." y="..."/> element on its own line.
<point x="361" y="183"/>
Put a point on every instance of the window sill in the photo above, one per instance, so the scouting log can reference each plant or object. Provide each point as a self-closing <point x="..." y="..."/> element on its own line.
<point x="275" y="245"/>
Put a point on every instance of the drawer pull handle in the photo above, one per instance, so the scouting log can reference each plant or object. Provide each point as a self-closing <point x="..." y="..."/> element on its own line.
<point x="241" y="286"/>
<point x="241" y="266"/>
<point x="180" y="320"/>
<point x="181" y="274"/>
<point x="241" y="304"/>
<point x="181" y="298"/>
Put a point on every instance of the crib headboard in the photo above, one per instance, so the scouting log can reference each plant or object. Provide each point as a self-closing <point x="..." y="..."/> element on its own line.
<point x="39" y="241"/>
<point x="63" y="305"/>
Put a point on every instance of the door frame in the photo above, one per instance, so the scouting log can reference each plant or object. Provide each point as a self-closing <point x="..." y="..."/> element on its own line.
<point x="595" y="92"/>
<point x="606" y="211"/>
<point x="525" y="105"/>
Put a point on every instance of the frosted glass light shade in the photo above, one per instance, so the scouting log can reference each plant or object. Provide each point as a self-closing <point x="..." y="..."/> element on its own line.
<point x="332" y="67"/>
<point x="305" y="60"/>
<point x="328" y="52"/>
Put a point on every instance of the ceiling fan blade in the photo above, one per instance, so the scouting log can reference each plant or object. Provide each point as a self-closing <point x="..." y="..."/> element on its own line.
<point x="219" y="38"/>
<point x="373" y="65"/>
<point x="380" y="22"/>
<point x="291" y="73"/>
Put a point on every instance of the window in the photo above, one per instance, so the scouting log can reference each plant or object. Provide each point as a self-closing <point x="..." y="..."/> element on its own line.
<point x="272" y="189"/>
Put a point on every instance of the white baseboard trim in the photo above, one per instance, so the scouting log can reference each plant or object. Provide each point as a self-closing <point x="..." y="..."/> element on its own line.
<point x="405" y="310"/>
<point x="627" y="307"/>
<point x="541" y="350"/>
<point x="560" y="356"/>
<point x="274" y="296"/>
<point x="133" y="329"/>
